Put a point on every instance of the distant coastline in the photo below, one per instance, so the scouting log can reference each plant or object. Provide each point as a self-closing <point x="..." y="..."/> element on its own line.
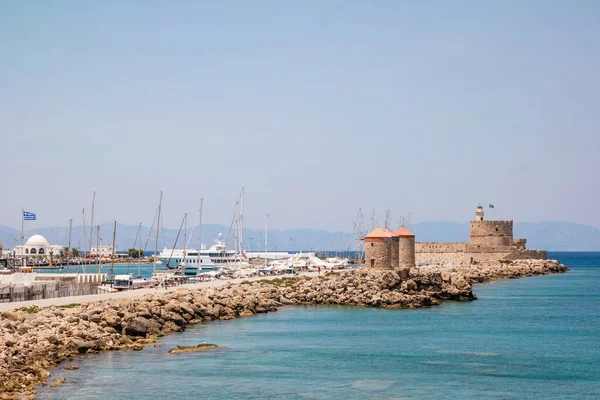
<point x="552" y="236"/>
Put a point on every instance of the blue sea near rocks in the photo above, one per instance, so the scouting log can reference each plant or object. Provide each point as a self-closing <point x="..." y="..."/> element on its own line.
<point x="531" y="338"/>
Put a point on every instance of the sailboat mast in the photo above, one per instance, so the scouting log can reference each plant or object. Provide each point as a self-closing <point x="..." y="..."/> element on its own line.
<point x="70" y="230"/>
<point x="185" y="243"/>
<point x="236" y="221"/>
<point x="141" y="252"/>
<point x="266" y="237"/>
<point x="98" y="248"/>
<point x="112" y="258"/>
<point x="84" y="246"/>
<point x="92" y="226"/>
<point x="156" y="242"/>
<point x="241" y="227"/>
<point x="69" y="246"/>
<point x="199" y="238"/>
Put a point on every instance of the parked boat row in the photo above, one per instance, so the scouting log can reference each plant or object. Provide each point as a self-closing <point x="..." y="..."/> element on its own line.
<point x="226" y="258"/>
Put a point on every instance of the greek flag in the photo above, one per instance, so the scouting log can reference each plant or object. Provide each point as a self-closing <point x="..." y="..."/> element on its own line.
<point x="28" y="216"/>
<point x="491" y="206"/>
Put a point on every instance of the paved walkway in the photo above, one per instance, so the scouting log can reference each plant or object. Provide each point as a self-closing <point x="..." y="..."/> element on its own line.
<point x="61" y="301"/>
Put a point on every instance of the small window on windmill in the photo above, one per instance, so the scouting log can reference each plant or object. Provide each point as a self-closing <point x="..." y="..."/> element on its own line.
<point x="372" y="262"/>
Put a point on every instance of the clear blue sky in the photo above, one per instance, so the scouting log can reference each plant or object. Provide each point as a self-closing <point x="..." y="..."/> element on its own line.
<point x="317" y="108"/>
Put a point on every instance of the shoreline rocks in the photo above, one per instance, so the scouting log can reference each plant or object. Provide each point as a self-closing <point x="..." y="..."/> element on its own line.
<point x="32" y="343"/>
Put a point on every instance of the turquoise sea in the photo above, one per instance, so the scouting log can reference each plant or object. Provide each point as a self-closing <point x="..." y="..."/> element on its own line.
<point x="531" y="338"/>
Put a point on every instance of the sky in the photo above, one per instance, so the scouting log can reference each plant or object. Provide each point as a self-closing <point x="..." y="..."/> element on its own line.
<point x="316" y="108"/>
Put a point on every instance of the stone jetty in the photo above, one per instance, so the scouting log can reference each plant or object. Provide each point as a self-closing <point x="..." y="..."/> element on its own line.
<point x="33" y="340"/>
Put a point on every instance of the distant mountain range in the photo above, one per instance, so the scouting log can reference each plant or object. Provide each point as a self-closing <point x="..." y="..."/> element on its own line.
<point x="555" y="236"/>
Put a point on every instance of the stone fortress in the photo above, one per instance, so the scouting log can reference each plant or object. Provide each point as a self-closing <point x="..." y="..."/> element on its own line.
<point x="490" y="241"/>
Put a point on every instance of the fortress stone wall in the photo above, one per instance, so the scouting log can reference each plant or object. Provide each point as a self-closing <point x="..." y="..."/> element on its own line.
<point x="528" y="254"/>
<point x="489" y="241"/>
<point x="441" y="253"/>
<point x="441" y="247"/>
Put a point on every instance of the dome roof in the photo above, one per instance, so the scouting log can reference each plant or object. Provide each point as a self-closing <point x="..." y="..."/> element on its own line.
<point x="37" y="241"/>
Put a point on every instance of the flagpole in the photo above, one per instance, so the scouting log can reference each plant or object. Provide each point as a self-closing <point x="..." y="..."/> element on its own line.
<point x="22" y="229"/>
<point x="22" y="237"/>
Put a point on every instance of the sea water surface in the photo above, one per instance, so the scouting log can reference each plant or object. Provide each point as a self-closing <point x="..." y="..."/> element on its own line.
<point x="531" y="338"/>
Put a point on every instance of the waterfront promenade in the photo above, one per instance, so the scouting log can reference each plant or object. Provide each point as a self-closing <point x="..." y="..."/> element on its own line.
<point x="61" y="301"/>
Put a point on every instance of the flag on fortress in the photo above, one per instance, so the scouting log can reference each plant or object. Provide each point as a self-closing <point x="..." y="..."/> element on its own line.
<point x="491" y="206"/>
<point x="28" y="216"/>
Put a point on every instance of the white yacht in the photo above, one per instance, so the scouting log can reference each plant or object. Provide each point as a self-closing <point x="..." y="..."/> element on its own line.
<point x="216" y="257"/>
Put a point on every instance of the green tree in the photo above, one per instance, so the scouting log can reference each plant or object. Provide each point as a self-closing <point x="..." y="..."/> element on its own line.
<point x="73" y="252"/>
<point x="135" y="253"/>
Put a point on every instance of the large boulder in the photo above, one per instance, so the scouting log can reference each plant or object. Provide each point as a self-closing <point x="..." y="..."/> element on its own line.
<point x="174" y="317"/>
<point x="82" y="346"/>
<point x="140" y="326"/>
<point x="112" y="319"/>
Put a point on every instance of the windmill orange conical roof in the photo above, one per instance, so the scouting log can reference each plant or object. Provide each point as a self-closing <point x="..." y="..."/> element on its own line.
<point x="389" y="232"/>
<point x="403" y="232"/>
<point x="378" y="233"/>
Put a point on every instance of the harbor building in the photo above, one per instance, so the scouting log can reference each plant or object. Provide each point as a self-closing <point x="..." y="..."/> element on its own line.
<point x="37" y="247"/>
<point x="102" y="251"/>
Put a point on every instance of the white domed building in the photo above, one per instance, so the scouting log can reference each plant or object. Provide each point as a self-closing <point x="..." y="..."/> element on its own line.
<point x="38" y="246"/>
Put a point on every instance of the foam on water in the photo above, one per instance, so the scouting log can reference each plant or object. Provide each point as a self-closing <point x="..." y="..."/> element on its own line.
<point x="534" y="338"/>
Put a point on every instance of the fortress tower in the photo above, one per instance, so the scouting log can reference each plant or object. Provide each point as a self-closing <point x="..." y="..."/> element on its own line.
<point x="406" y="247"/>
<point x="479" y="213"/>
<point x="378" y="249"/>
<point x="490" y="233"/>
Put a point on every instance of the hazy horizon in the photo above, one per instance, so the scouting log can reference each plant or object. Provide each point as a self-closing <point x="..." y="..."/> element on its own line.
<point x="316" y="108"/>
<point x="379" y="223"/>
<point x="545" y="235"/>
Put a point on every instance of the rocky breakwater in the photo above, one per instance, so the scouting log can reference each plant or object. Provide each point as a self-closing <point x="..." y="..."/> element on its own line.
<point x="512" y="269"/>
<point x="403" y="288"/>
<point x="34" y="340"/>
